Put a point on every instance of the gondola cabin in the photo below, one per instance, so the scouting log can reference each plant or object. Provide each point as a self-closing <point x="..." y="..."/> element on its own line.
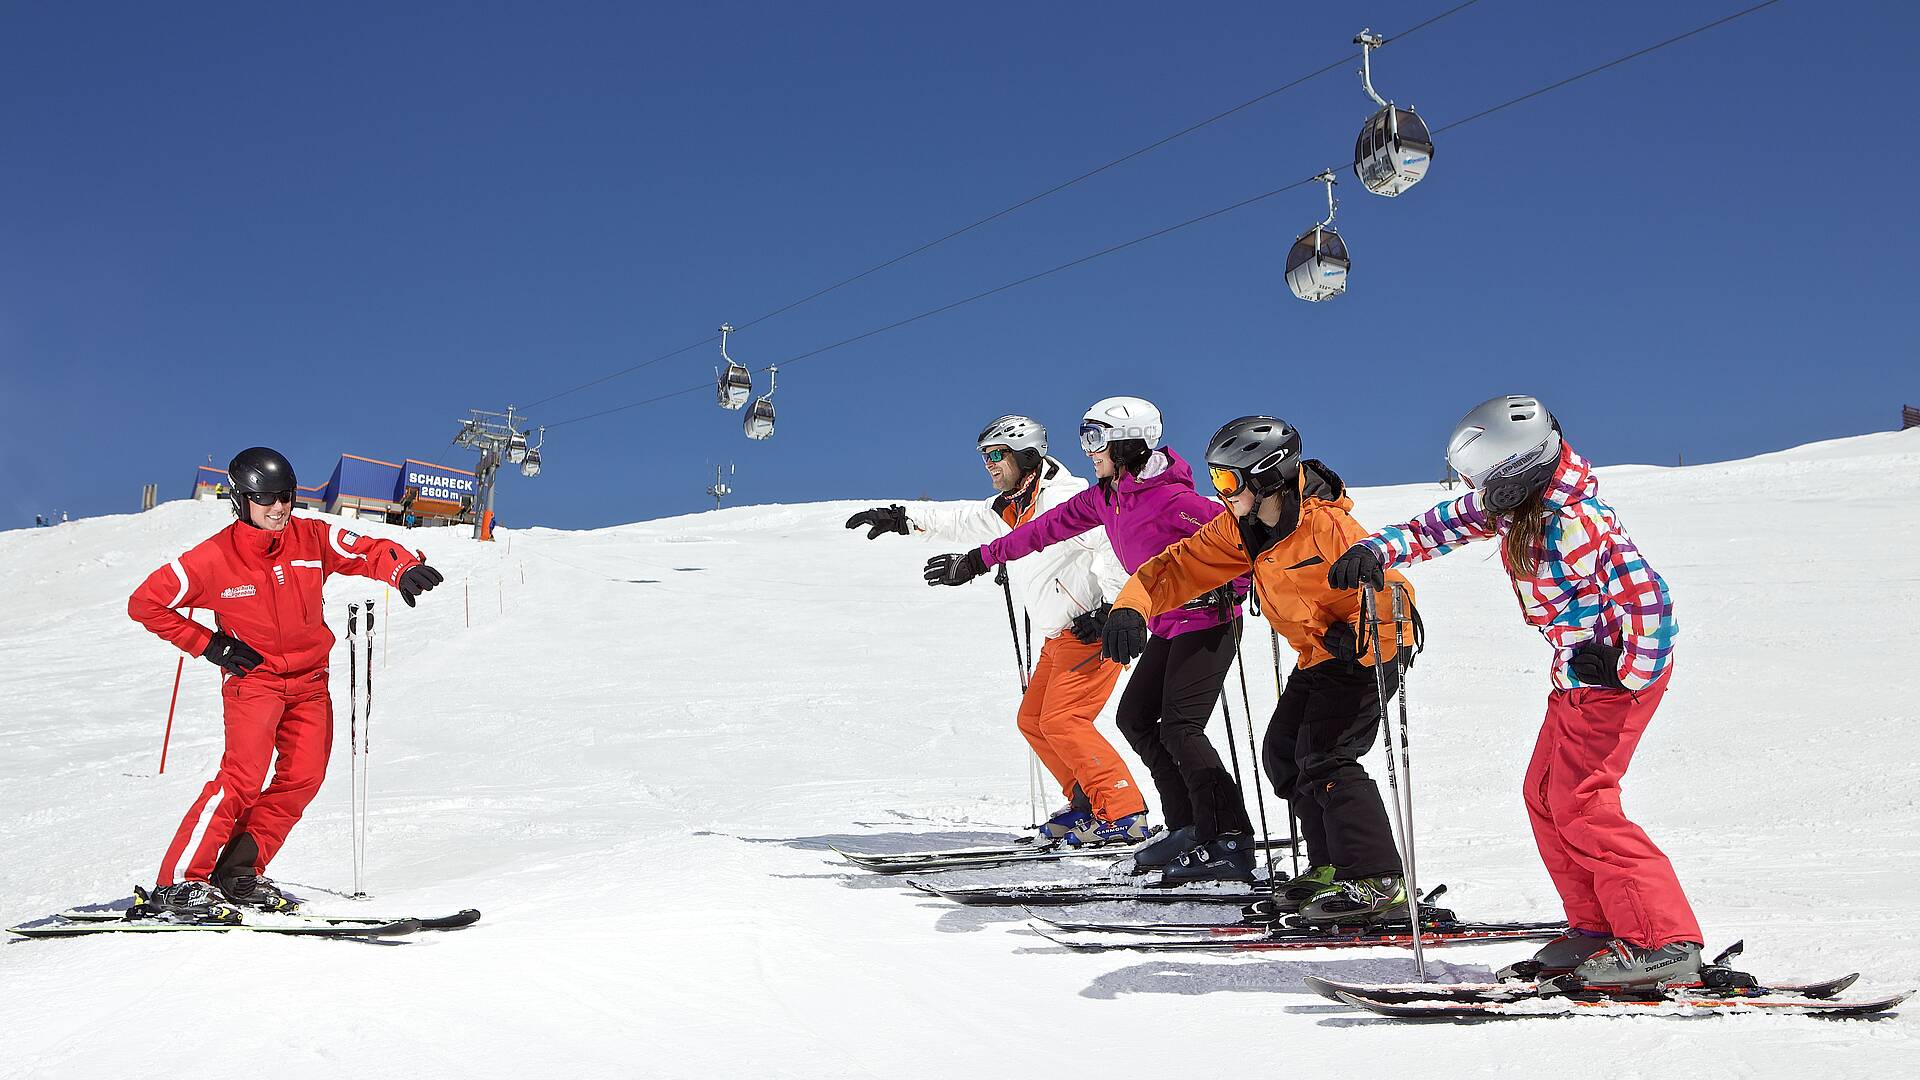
<point x="1393" y="151"/>
<point x="1317" y="265"/>
<point x="758" y="423"/>
<point x="734" y="385"/>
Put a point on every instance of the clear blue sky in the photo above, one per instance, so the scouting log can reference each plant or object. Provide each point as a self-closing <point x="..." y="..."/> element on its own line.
<point x="338" y="228"/>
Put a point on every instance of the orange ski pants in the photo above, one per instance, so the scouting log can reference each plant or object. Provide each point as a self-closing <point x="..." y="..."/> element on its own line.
<point x="1070" y="685"/>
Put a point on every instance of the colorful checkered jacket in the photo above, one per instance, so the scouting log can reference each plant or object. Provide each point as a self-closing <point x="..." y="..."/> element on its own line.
<point x="1591" y="582"/>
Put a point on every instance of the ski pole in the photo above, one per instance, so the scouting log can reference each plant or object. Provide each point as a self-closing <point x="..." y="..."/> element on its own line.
<point x="1253" y="756"/>
<point x="1279" y="691"/>
<point x="166" y="739"/>
<point x="1400" y="645"/>
<point x="1020" y="671"/>
<point x="1370" y="618"/>
<point x="366" y="747"/>
<point x="353" y="735"/>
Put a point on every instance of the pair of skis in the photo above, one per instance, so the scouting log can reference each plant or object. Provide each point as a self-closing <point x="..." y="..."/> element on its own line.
<point x="88" y="922"/>
<point x="977" y="858"/>
<point x="1720" y="989"/>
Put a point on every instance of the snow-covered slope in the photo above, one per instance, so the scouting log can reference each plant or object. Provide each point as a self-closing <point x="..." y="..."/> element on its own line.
<point x="632" y="755"/>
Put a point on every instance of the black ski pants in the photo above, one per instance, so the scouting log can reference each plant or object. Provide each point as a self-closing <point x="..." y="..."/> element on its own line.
<point x="1327" y="720"/>
<point x="1164" y="712"/>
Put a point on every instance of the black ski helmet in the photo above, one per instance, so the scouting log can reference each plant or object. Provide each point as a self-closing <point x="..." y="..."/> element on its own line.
<point x="1261" y="453"/>
<point x="258" y="468"/>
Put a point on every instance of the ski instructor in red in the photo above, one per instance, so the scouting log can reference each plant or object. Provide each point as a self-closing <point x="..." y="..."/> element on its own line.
<point x="261" y="577"/>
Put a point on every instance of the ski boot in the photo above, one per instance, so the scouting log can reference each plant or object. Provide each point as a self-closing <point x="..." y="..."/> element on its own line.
<point x="1623" y="965"/>
<point x="1068" y="819"/>
<point x="1357" y="901"/>
<point x="1227" y="857"/>
<point x="1557" y="957"/>
<point x="249" y="890"/>
<point x="1130" y="829"/>
<point x="183" y="901"/>
<point x="1295" y="892"/>
<point x="1157" y="855"/>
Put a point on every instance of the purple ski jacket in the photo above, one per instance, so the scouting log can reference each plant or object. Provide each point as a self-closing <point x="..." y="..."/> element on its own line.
<point x="1143" y="515"/>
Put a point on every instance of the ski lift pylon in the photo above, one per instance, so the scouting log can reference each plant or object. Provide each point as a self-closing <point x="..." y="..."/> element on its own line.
<point x="734" y="385"/>
<point x="1317" y="264"/>
<point x="758" y="423"/>
<point x="1394" y="148"/>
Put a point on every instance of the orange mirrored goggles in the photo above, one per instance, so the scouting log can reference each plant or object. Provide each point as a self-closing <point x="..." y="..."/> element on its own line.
<point x="1225" y="481"/>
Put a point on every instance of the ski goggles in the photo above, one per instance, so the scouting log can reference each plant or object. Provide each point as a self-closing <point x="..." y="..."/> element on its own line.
<point x="269" y="498"/>
<point x="1228" y="482"/>
<point x="1094" y="436"/>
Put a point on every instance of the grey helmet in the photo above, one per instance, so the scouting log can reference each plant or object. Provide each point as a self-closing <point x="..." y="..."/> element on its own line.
<point x="1261" y="453"/>
<point x="1507" y="448"/>
<point x="1023" y="435"/>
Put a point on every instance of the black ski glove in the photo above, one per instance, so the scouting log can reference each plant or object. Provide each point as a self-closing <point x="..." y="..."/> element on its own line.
<point x="1359" y="565"/>
<point x="230" y="654"/>
<point x="1087" y="625"/>
<point x="1341" y="642"/>
<point x="882" y="519"/>
<point x="1597" y="664"/>
<point x="954" y="569"/>
<point x="1124" y="637"/>
<point x="416" y="580"/>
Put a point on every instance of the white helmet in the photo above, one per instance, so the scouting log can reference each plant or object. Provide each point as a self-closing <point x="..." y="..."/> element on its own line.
<point x="1023" y="435"/>
<point x="1506" y="448"/>
<point x="1115" y="418"/>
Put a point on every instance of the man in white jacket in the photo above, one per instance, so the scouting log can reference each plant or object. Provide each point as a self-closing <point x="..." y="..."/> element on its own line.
<point x="1066" y="589"/>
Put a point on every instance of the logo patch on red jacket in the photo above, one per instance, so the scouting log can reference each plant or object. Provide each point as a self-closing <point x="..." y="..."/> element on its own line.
<point x="348" y="539"/>
<point x="235" y="592"/>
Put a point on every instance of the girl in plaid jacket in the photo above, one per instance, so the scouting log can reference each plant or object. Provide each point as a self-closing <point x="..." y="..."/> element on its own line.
<point x="1585" y="586"/>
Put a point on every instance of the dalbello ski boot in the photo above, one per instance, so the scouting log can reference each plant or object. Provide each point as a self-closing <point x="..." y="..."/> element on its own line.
<point x="1227" y="857"/>
<point x="1294" y="893"/>
<point x="1625" y="966"/>
<point x="1357" y="902"/>
<point x="1559" y="956"/>
<point x="183" y="901"/>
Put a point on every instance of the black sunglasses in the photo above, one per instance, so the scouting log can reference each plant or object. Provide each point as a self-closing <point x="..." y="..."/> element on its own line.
<point x="268" y="498"/>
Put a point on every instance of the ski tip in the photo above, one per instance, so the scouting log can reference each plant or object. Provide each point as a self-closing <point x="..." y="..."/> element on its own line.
<point x="464" y="917"/>
<point x="1326" y="988"/>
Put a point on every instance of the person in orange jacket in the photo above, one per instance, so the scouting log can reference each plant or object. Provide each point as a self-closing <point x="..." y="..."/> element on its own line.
<point x="261" y="577"/>
<point x="1285" y="520"/>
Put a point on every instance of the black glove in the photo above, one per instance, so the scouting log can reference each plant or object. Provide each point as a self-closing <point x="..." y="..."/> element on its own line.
<point x="954" y="569"/>
<point x="230" y="654"/>
<point x="1087" y="625"/>
<point x="1359" y="565"/>
<point x="1124" y="637"/>
<point x="1597" y="664"/>
<point x="416" y="580"/>
<point x="1341" y="642"/>
<point x="882" y="518"/>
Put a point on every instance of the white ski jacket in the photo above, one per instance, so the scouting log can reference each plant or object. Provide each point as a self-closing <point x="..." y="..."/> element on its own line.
<point x="1053" y="585"/>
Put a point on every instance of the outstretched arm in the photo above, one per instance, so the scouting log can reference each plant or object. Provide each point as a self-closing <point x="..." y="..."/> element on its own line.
<point x="1433" y="533"/>
<point x="1063" y="522"/>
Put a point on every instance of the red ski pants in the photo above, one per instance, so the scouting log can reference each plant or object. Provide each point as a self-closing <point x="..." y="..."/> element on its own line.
<point x="1057" y="716"/>
<point x="1610" y="876"/>
<point x="266" y="715"/>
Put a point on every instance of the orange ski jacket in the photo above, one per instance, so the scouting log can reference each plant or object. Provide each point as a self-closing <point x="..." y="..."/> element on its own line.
<point x="1290" y="577"/>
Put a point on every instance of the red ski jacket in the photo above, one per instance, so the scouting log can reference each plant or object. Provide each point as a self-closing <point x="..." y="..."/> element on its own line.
<point x="264" y="588"/>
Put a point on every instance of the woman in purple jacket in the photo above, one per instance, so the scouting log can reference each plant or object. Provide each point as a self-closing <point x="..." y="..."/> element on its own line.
<point x="1146" y="501"/>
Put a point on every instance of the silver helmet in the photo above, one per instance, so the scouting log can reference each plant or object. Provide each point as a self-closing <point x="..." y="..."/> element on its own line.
<point x="1506" y="448"/>
<point x="1023" y="435"/>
